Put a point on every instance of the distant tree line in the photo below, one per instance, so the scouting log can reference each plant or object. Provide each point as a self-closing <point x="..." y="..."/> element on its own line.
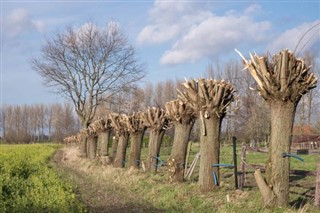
<point x="248" y="117"/>
<point x="37" y="122"/>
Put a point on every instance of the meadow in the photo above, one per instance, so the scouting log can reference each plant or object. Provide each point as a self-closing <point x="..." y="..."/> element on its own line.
<point x="140" y="190"/>
<point x="28" y="183"/>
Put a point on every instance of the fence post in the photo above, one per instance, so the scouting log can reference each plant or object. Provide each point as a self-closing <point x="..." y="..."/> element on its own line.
<point x="234" y="141"/>
<point x="317" y="192"/>
<point x="243" y="166"/>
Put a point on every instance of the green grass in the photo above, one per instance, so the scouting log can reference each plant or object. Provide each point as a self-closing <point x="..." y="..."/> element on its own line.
<point x="29" y="184"/>
<point x="185" y="197"/>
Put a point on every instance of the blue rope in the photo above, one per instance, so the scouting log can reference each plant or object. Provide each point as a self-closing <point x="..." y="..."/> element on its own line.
<point x="159" y="164"/>
<point x="215" y="179"/>
<point x="292" y="155"/>
<point x="222" y="165"/>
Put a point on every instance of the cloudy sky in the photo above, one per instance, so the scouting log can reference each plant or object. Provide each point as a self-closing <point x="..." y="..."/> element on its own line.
<point x="175" y="39"/>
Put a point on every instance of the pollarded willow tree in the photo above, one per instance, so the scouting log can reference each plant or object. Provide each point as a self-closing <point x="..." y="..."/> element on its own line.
<point x="282" y="81"/>
<point x="183" y="118"/>
<point x="103" y="128"/>
<point x="156" y="120"/>
<point x="136" y="127"/>
<point x="91" y="138"/>
<point x="119" y="125"/>
<point x="88" y="65"/>
<point x="210" y="99"/>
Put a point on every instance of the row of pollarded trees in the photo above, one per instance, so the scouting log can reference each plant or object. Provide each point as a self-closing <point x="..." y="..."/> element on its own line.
<point x="281" y="81"/>
<point x="203" y="99"/>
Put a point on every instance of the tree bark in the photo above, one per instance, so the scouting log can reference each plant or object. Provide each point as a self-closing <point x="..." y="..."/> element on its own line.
<point x="119" y="160"/>
<point x="92" y="147"/>
<point x="179" y="151"/>
<point x="115" y="141"/>
<point x="209" y="151"/>
<point x="278" y="167"/>
<point x="135" y="149"/>
<point x="83" y="147"/>
<point x="104" y="142"/>
<point x="155" y="140"/>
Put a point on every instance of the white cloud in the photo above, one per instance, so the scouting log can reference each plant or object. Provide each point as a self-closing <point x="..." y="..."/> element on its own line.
<point x="196" y="32"/>
<point x="171" y="19"/>
<point x="216" y="35"/>
<point x="290" y="38"/>
<point x="252" y="9"/>
<point x="20" y="21"/>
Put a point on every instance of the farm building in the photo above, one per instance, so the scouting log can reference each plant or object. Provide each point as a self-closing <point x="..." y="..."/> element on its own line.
<point x="305" y="137"/>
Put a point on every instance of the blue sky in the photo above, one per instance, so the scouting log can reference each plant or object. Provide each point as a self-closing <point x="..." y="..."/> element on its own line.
<point x="175" y="39"/>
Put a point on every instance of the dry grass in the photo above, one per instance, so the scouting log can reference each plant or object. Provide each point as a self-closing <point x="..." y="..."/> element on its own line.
<point x="134" y="190"/>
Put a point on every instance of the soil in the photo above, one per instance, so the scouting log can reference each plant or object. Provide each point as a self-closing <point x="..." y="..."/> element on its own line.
<point x="96" y="194"/>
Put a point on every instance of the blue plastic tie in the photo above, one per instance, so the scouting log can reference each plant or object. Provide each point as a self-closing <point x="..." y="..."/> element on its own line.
<point x="159" y="164"/>
<point x="292" y="155"/>
<point x="222" y="165"/>
<point x="215" y="179"/>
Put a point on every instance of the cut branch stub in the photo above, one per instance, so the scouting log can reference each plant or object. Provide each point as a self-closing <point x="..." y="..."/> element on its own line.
<point x="101" y="124"/>
<point x="118" y="123"/>
<point x="155" y="119"/>
<point x="135" y="122"/>
<point x="283" y="77"/>
<point x="209" y="97"/>
<point x="178" y="111"/>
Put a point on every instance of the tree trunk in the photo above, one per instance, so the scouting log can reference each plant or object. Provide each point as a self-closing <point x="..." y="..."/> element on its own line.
<point x="155" y="140"/>
<point x="317" y="192"/>
<point x="83" y="147"/>
<point x="135" y="149"/>
<point x="104" y="141"/>
<point x="209" y="152"/>
<point x="179" y="151"/>
<point x="92" y="147"/>
<point x="278" y="167"/>
<point x="115" y="141"/>
<point x="119" y="160"/>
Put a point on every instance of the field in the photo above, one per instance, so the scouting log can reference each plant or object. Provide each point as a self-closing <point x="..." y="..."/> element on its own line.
<point x="29" y="184"/>
<point x="135" y="190"/>
<point x="32" y="183"/>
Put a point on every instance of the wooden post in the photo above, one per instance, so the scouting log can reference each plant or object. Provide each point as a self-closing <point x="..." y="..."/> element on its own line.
<point x="243" y="166"/>
<point x="187" y="157"/>
<point x="317" y="193"/>
<point x="234" y="141"/>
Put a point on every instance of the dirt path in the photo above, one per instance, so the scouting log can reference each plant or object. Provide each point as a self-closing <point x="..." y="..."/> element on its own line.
<point x="96" y="192"/>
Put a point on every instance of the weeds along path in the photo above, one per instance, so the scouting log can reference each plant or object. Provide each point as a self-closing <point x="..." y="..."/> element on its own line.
<point x="95" y="187"/>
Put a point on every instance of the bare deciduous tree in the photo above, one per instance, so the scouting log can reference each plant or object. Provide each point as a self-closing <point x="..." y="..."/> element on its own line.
<point x="88" y="64"/>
